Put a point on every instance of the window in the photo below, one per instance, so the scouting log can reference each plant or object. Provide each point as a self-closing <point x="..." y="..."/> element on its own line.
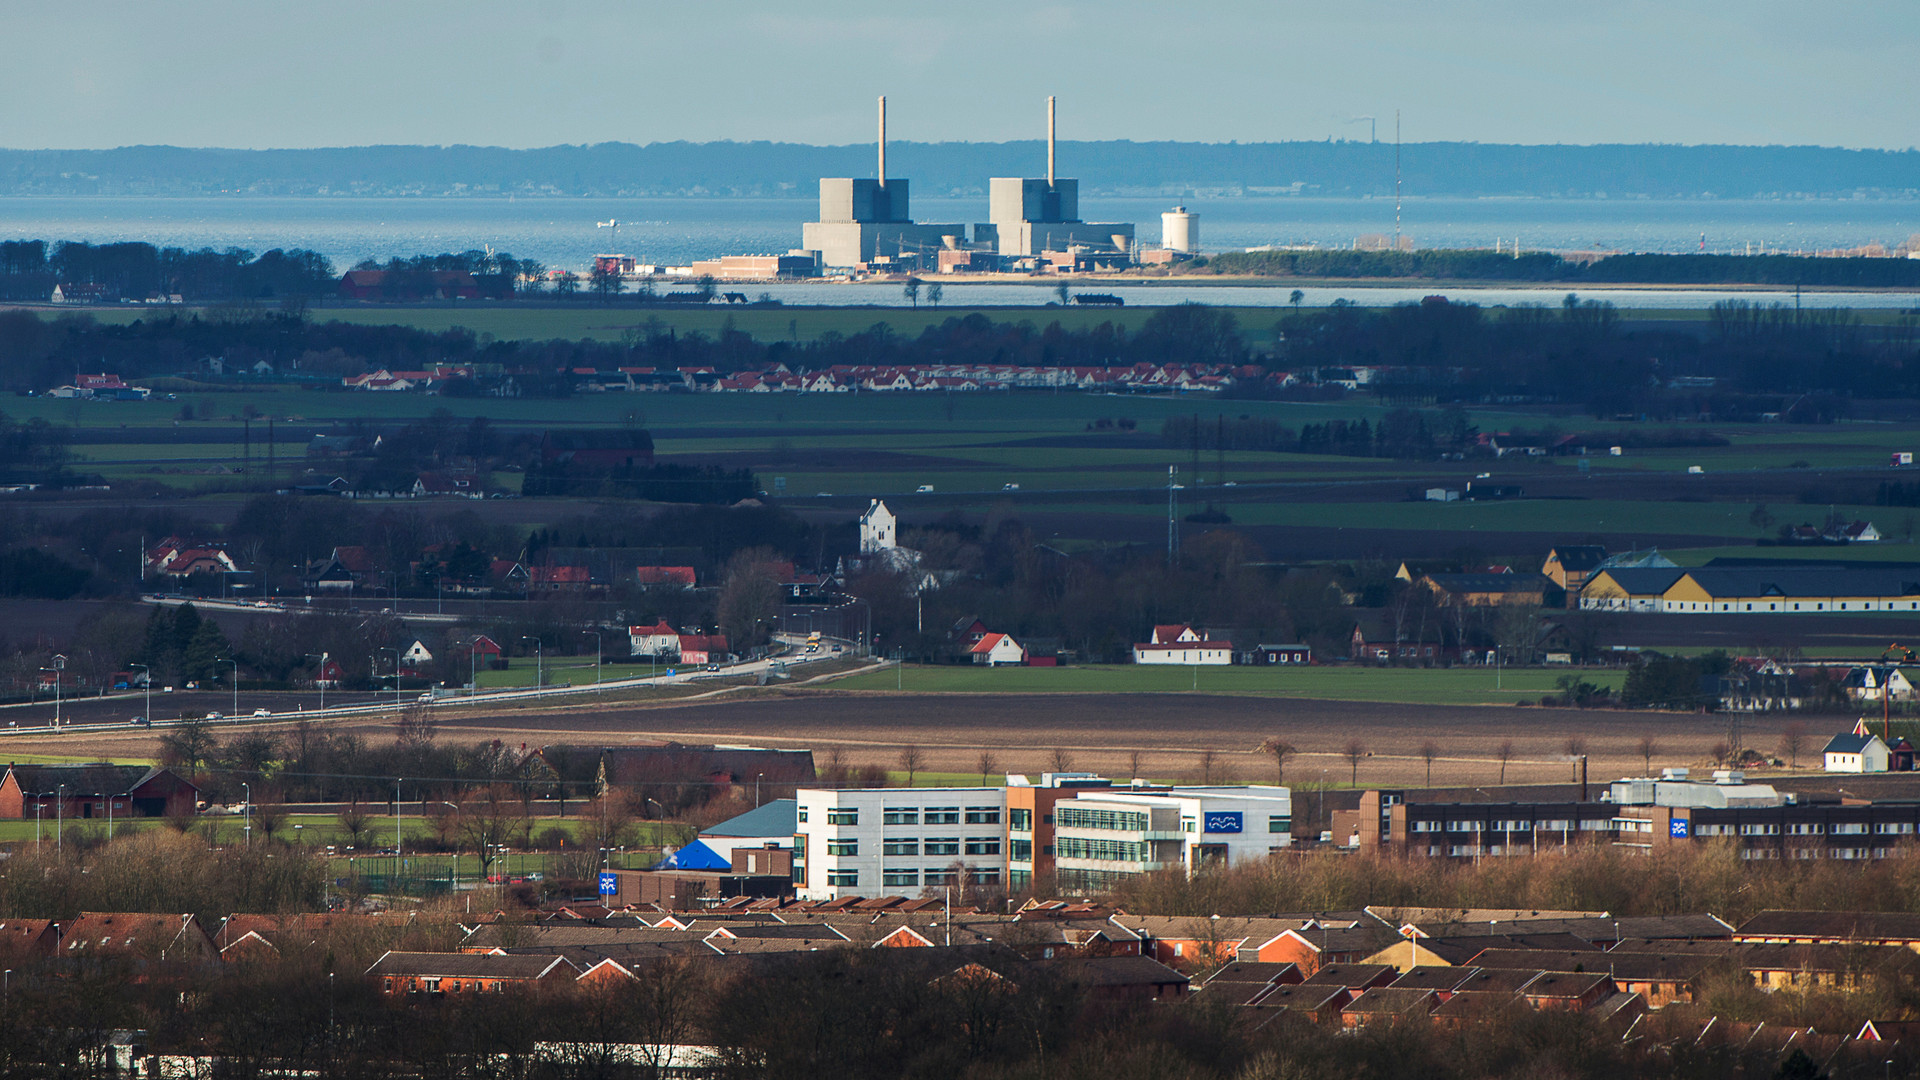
<point x="1767" y="830"/>
<point x="843" y="879"/>
<point x="900" y="847"/>
<point x="1849" y="828"/>
<point x="799" y="845"/>
<point x="843" y="847"/>
<point x="904" y="815"/>
<point x="942" y="845"/>
<point x="1555" y="825"/>
<point x="984" y="877"/>
<point x="1805" y="828"/>
<point x="1019" y="879"/>
<point x="983" y="815"/>
<point x="1020" y="820"/>
<point x="940" y="877"/>
<point x="1020" y="850"/>
<point x="900" y="879"/>
<point x="1894" y="828"/>
<point x="1083" y="847"/>
<point x="1110" y="820"/>
<point x="803" y="813"/>
<point x="849" y="815"/>
<point x="943" y="815"/>
<point x="1188" y="824"/>
<point x="1426" y="826"/>
<point x="1279" y="824"/>
<point x="981" y="845"/>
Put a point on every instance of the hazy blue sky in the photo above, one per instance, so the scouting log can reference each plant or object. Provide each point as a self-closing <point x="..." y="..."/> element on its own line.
<point x="273" y="73"/>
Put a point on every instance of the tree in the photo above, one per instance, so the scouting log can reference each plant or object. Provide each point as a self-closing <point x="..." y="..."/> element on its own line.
<point x="911" y="762"/>
<point x="487" y="818"/>
<point x="268" y="817"/>
<point x="934" y="292"/>
<point x="1429" y="752"/>
<point x="605" y="283"/>
<point x="566" y="285"/>
<point x="355" y="822"/>
<point x="1208" y="759"/>
<point x="190" y="745"/>
<point x="707" y="288"/>
<point x="988" y="766"/>
<point x="1062" y="760"/>
<point x="1648" y="748"/>
<point x="1134" y="759"/>
<point x="1576" y="748"/>
<point x="1761" y="518"/>
<point x="1353" y="752"/>
<point x="1281" y="751"/>
<point x="1061" y="291"/>
<point x="1793" y="739"/>
<point x="1504" y="752"/>
<point x="912" y="291"/>
<point x="750" y="598"/>
<point x="1295" y="297"/>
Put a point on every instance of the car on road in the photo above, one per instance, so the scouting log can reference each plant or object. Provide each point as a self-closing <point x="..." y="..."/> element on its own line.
<point x="1009" y="487"/>
<point x="923" y="489"/>
<point x="138" y="721"/>
<point x="713" y="667"/>
<point x="213" y="716"/>
<point x="263" y="712"/>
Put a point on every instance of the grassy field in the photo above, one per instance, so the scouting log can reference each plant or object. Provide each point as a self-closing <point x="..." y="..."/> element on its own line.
<point x="323" y="830"/>
<point x="1416" y="686"/>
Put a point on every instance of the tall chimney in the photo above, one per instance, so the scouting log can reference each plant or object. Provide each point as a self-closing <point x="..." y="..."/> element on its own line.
<point x="1049" y="140"/>
<point x="883" y="140"/>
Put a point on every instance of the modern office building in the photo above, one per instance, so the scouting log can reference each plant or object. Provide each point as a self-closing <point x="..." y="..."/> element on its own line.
<point x="1030" y="821"/>
<point x="863" y="220"/>
<point x="897" y="841"/>
<point x="1101" y="838"/>
<point x="1029" y="216"/>
<point x="1640" y="813"/>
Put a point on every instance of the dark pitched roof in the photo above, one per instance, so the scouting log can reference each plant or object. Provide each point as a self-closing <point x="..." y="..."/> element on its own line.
<point x="467" y="965"/>
<point x="1305" y="997"/>
<point x="1839" y="925"/>
<point x="1435" y="978"/>
<point x="1353" y="976"/>
<point x="1390" y="1001"/>
<point x="1580" y="556"/>
<point x="1849" y="743"/>
<point x="1119" y="971"/>
<point x="82" y="781"/>
<point x="1817" y="581"/>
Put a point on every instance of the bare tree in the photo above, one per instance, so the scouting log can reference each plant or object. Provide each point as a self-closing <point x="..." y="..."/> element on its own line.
<point x="1576" y="748"/>
<point x="1505" y="753"/>
<point x="911" y="762"/>
<point x="1648" y="748"/>
<point x="1792" y="740"/>
<point x="1354" y="751"/>
<point x="988" y="766"/>
<point x="1062" y="761"/>
<point x="1133" y="764"/>
<point x="268" y="817"/>
<point x="355" y="822"/>
<point x="1207" y="761"/>
<point x="1429" y="752"/>
<point x="1281" y="751"/>
<point x="487" y="818"/>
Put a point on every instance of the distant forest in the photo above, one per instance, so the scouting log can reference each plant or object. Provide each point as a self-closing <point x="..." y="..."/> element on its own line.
<point x="1348" y="169"/>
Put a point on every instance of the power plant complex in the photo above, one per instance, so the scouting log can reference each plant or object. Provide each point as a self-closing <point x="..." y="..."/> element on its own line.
<point x="1033" y="224"/>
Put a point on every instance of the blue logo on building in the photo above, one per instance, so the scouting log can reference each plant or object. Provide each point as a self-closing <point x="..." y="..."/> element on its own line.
<point x="1224" y="822"/>
<point x="1677" y="828"/>
<point x="609" y="883"/>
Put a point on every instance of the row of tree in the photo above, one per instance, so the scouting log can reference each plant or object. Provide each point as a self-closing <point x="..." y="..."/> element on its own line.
<point x="1440" y="264"/>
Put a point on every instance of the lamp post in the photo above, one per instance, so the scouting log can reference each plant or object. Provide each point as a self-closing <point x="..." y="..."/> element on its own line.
<point x="539" y="661"/>
<point x="59" y="663"/>
<point x="247" y="826"/>
<point x="236" y="681"/>
<point x="456" y="850"/>
<point x="397" y="819"/>
<point x="146" y="676"/>
<point x="757" y="777"/>
<point x="59" y="817"/>
<point x="395" y="650"/>
<point x="596" y="658"/>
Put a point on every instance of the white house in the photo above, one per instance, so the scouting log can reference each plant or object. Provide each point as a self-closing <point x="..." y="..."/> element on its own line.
<point x="658" y="640"/>
<point x="1180" y="644"/>
<point x="897" y="841"/>
<point x="877" y="529"/>
<point x="998" y="650"/>
<point x="1856" y="753"/>
<point x="417" y="654"/>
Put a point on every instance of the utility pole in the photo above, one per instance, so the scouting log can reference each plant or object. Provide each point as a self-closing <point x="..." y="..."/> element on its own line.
<point x="1396" y="179"/>
<point x="1173" y="510"/>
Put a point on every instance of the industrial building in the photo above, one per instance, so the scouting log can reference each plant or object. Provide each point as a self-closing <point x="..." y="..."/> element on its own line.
<point x="1030" y="217"/>
<point x="862" y="221"/>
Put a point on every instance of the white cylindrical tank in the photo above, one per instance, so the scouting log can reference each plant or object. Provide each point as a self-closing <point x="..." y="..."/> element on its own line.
<point x="1180" y="231"/>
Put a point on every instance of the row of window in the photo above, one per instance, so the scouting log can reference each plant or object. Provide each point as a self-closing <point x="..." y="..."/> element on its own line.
<point x="1080" y="847"/>
<point x="1510" y="825"/>
<point x="913" y="815"/>
<point x="932" y="845"/>
<point x="1067" y="817"/>
<point x="912" y="879"/>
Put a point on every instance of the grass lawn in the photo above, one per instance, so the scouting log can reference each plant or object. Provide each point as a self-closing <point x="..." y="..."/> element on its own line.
<point x="1434" y="686"/>
<point x="321" y="830"/>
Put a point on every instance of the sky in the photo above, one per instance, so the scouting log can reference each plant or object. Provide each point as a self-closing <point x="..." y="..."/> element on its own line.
<point x="278" y="73"/>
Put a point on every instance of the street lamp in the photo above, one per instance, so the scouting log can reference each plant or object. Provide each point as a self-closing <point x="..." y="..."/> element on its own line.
<point x="397" y="706"/>
<point x="59" y="817"/>
<point x="59" y="663"/>
<point x="146" y="676"/>
<point x="247" y="826"/>
<point x="322" y="680"/>
<point x="596" y="658"/>
<point x="539" y="661"/>
<point x="236" y="681"/>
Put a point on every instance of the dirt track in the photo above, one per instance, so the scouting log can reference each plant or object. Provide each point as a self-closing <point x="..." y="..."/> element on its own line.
<point x="1099" y="732"/>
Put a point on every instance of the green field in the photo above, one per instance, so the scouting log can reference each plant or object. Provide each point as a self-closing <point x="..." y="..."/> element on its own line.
<point x="1417" y="686"/>
<point x="323" y="830"/>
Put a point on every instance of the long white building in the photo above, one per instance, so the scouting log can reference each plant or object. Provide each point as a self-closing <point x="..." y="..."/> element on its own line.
<point x="897" y="841"/>
<point x="1103" y="837"/>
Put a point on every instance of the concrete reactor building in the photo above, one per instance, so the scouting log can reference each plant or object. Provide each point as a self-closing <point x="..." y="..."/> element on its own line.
<point x="1180" y="231"/>
<point x="862" y="220"/>
<point x="1030" y="216"/>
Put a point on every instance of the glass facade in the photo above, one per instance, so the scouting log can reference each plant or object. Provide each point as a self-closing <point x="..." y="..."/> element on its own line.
<point x="1069" y="817"/>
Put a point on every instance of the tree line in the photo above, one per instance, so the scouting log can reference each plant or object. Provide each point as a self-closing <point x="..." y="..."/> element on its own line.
<point x="29" y="269"/>
<point x="1441" y="264"/>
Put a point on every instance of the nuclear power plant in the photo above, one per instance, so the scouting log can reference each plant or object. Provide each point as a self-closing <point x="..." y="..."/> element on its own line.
<point x="1033" y="225"/>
